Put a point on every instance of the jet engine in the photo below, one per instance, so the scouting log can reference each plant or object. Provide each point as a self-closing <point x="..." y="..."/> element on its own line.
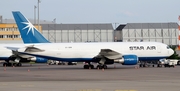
<point x="127" y="60"/>
<point x="38" y="59"/>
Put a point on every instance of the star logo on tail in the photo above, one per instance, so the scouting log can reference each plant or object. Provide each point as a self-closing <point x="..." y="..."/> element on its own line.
<point x="29" y="26"/>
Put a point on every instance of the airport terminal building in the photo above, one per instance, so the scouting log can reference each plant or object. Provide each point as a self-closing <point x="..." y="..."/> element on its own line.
<point x="98" y="32"/>
<point x="159" y="32"/>
<point x="78" y="32"/>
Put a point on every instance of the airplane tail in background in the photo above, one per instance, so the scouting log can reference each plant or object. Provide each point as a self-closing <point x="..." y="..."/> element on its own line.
<point x="29" y="33"/>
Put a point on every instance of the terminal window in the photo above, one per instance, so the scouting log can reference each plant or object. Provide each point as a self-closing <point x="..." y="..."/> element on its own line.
<point x="9" y="29"/>
<point x="9" y="36"/>
<point x="1" y="36"/>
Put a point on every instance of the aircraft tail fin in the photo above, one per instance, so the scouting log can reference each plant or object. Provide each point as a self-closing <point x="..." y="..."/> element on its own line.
<point x="29" y="33"/>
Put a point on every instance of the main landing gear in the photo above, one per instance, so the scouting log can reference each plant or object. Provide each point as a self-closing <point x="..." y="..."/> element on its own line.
<point x="88" y="66"/>
<point x="12" y="64"/>
<point x="99" y="66"/>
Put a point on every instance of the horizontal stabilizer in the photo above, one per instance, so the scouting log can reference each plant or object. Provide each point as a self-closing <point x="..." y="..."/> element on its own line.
<point x="12" y="48"/>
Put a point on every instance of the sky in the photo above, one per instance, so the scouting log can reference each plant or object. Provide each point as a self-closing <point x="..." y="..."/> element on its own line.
<point x="96" y="11"/>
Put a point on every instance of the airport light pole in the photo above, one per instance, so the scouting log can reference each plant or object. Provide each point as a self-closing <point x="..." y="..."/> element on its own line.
<point x="54" y="21"/>
<point x="38" y="13"/>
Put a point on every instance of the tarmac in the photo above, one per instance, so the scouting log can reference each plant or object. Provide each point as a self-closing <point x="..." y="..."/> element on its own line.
<point x="42" y="77"/>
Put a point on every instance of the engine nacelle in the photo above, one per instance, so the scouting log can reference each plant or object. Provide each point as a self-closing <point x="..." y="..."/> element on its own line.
<point x="129" y="59"/>
<point x="119" y="60"/>
<point x="39" y="60"/>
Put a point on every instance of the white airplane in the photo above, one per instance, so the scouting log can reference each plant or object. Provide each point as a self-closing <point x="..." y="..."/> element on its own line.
<point x="126" y="53"/>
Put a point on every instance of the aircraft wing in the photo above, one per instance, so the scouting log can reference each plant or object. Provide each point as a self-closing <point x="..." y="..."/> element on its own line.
<point x="110" y="54"/>
<point x="26" y="49"/>
<point x="33" y="49"/>
<point x="15" y="51"/>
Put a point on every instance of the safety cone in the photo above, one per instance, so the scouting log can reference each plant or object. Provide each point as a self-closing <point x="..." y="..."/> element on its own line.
<point x="103" y="69"/>
<point x="28" y="70"/>
<point x="114" y="66"/>
<point x="4" y="69"/>
<point x="136" y="67"/>
<point x="97" y="68"/>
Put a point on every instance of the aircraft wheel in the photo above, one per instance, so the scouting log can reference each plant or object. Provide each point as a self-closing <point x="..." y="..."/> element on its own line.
<point x="92" y="66"/>
<point x="144" y="65"/>
<point x="14" y="64"/>
<point x="9" y="64"/>
<point x="19" y="64"/>
<point x="153" y="65"/>
<point x="178" y="63"/>
<point x="70" y="63"/>
<point x="99" y="67"/>
<point x="63" y="63"/>
<point x="140" y="65"/>
<point x="86" y="66"/>
<point x="159" y="65"/>
<point x="104" y="66"/>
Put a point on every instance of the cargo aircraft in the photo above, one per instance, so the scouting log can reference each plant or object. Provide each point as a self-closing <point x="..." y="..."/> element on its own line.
<point x="103" y="53"/>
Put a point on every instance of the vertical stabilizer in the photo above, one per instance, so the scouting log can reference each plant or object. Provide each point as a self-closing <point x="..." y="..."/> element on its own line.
<point x="29" y="33"/>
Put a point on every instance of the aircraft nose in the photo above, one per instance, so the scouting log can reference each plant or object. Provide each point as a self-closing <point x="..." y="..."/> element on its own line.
<point x="171" y="52"/>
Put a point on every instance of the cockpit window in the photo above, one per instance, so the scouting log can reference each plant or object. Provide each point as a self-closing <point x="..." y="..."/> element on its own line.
<point x="168" y="47"/>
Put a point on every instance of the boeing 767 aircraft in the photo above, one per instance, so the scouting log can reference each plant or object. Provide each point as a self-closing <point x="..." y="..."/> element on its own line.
<point x="103" y="53"/>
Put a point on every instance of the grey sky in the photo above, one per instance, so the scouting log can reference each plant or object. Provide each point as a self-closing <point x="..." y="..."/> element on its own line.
<point x="96" y="11"/>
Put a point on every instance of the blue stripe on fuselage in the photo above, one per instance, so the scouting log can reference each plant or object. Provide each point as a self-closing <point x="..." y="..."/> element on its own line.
<point x="150" y="58"/>
<point x="4" y="58"/>
<point x="90" y="59"/>
<point x="62" y="59"/>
